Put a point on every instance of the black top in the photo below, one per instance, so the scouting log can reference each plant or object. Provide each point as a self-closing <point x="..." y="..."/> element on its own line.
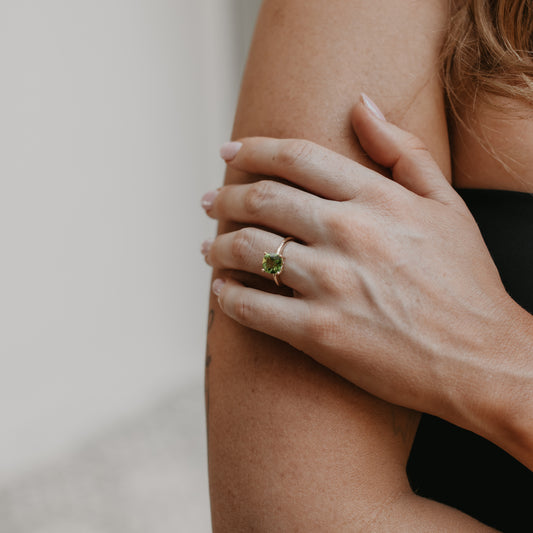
<point x="452" y="465"/>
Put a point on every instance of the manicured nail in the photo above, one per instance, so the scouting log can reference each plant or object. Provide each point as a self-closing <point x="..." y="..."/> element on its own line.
<point x="229" y="150"/>
<point x="208" y="198"/>
<point x="372" y="107"/>
<point x="206" y="246"/>
<point x="217" y="286"/>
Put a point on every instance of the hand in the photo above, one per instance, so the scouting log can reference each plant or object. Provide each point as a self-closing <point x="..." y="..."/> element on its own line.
<point x="394" y="288"/>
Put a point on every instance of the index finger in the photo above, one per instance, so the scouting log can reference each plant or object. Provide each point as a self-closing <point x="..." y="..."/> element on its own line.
<point x="307" y="164"/>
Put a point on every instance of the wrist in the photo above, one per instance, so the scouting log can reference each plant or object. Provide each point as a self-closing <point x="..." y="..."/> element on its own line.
<point x="514" y="422"/>
<point x="493" y="395"/>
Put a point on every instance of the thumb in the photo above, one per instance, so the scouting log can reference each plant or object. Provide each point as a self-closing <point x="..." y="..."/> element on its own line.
<point x="410" y="161"/>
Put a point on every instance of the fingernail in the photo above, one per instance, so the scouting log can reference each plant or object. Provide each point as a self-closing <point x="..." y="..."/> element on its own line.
<point x="206" y="246"/>
<point x="208" y="198"/>
<point x="229" y="150"/>
<point x="217" y="286"/>
<point x="372" y="107"/>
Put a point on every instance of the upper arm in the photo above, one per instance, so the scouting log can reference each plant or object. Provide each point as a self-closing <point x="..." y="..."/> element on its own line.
<point x="290" y="442"/>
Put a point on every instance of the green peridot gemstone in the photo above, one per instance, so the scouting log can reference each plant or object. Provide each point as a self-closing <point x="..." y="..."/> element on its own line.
<point x="272" y="263"/>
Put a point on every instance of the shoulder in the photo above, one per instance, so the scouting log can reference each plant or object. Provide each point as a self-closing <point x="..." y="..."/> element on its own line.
<point x="491" y="147"/>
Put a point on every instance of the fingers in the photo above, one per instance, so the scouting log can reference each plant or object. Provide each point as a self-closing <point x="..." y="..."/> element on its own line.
<point x="303" y="163"/>
<point x="244" y="250"/>
<point x="284" y="209"/>
<point x="279" y="316"/>
<point x="411" y="163"/>
<point x="335" y="177"/>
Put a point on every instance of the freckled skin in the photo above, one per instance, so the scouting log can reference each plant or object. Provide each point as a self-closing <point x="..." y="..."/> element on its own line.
<point x="292" y="446"/>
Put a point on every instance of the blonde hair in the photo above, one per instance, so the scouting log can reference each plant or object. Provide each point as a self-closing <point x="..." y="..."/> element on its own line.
<point x="488" y="52"/>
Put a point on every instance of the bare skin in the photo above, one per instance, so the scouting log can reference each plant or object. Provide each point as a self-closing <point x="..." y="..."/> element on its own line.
<point x="292" y="446"/>
<point x="492" y="146"/>
<point x="394" y="287"/>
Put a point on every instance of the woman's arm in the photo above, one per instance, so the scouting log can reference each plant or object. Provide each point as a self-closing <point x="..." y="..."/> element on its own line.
<point x="395" y="289"/>
<point x="292" y="445"/>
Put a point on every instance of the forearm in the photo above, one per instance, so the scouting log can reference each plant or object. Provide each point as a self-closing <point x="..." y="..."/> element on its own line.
<point x="519" y="397"/>
<point x="490" y="391"/>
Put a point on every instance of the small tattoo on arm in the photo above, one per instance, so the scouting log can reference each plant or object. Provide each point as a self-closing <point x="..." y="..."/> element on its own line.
<point x="210" y="319"/>
<point x="208" y="359"/>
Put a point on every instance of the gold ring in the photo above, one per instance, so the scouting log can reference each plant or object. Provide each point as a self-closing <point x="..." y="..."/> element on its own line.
<point x="274" y="263"/>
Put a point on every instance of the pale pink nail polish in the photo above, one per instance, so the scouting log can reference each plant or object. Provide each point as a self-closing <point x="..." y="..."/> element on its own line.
<point x="206" y="246"/>
<point x="372" y="107"/>
<point x="217" y="286"/>
<point x="229" y="150"/>
<point x="208" y="198"/>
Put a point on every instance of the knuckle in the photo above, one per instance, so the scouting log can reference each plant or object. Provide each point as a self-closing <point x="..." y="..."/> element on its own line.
<point x="356" y="234"/>
<point x="386" y="196"/>
<point x="334" y="281"/>
<point x="413" y="153"/>
<point x="382" y="188"/>
<point x="243" y="310"/>
<point x="388" y="202"/>
<point x="333" y="222"/>
<point x="378" y="191"/>
<point x="242" y="245"/>
<point x="322" y="328"/>
<point x="294" y="151"/>
<point x="331" y="273"/>
<point x="415" y="144"/>
<point x="257" y="196"/>
<point x="340" y="228"/>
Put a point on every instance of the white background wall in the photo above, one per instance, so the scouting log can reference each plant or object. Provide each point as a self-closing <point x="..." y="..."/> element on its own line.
<point x="111" y="115"/>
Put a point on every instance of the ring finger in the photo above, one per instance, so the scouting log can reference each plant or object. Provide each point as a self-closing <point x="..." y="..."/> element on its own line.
<point x="245" y="249"/>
